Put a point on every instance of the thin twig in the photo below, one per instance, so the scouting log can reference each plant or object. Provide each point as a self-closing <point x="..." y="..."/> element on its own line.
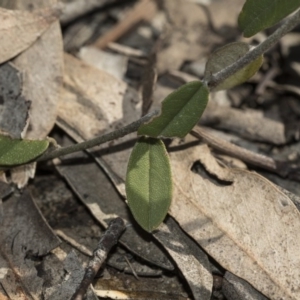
<point x="143" y="10"/>
<point x="256" y="159"/>
<point x="234" y="150"/>
<point x="108" y="240"/>
<point x="98" y="140"/>
<point x="216" y="79"/>
<point x="257" y="51"/>
<point x="73" y="243"/>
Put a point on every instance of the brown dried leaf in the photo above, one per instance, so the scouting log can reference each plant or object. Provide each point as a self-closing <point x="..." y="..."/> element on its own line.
<point x="28" y="25"/>
<point x="101" y="103"/>
<point x="241" y="219"/>
<point x="190" y="258"/>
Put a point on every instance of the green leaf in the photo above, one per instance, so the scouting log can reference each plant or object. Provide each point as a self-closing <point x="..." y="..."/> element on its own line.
<point x="180" y="112"/>
<point x="149" y="183"/>
<point x="258" y="15"/>
<point x="16" y="152"/>
<point x="224" y="57"/>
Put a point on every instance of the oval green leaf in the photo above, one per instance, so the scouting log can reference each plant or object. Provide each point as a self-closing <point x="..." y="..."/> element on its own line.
<point x="149" y="183"/>
<point x="16" y="152"/>
<point x="258" y="15"/>
<point x="180" y="112"/>
<point x="224" y="57"/>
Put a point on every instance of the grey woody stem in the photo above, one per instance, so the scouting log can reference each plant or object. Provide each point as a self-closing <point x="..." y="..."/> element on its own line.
<point x="257" y="51"/>
<point x="215" y="80"/>
<point x="98" y="140"/>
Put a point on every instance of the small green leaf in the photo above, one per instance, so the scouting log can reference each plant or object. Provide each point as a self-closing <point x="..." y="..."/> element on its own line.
<point x="16" y="152"/>
<point x="149" y="183"/>
<point x="224" y="57"/>
<point x="180" y="112"/>
<point x="258" y="15"/>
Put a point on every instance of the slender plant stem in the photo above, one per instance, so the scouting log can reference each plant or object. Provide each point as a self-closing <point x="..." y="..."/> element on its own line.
<point x="259" y="50"/>
<point x="98" y="140"/>
<point x="215" y="80"/>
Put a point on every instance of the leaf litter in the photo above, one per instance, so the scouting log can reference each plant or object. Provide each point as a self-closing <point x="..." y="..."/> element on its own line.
<point x="245" y="223"/>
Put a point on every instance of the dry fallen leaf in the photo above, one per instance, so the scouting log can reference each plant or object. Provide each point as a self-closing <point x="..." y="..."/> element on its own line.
<point x="190" y="258"/>
<point x="241" y="219"/>
<point x="20" y="29"/>
<point x="102" y="103"/>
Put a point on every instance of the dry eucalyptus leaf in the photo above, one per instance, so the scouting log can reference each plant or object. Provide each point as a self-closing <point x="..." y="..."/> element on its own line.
<point x="190" y="258"/>
<point x="94" y="94"/>
<point x="102" y="103"/>
<point x="28" y="25"/>
<point x="241" y="219"/>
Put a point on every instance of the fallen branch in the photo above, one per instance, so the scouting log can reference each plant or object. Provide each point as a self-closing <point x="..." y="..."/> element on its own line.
<point x="108" y="240"/>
